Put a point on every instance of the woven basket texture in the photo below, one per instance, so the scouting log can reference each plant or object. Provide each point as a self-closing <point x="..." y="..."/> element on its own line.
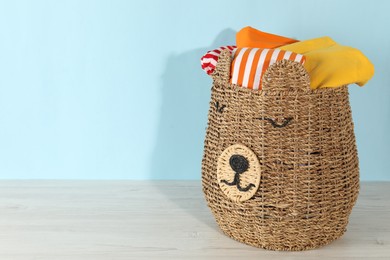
<point x="305" y="145"/>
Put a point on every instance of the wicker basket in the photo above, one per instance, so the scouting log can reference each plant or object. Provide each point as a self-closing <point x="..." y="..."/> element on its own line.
<point x="280" y="166"/>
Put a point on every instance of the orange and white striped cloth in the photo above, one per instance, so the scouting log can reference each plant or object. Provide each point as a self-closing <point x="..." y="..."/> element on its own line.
<point x="249" y="64"/>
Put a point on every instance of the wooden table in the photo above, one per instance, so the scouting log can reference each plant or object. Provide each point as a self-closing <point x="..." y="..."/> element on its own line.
<point x="95" y="220"/>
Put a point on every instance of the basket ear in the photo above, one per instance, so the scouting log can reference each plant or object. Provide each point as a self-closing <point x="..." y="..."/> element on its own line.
<point x="222" y="70"/>
<point x="286" y="75"/>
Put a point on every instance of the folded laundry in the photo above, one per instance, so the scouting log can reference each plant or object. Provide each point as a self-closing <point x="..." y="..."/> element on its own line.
<point x="210" y="59"/>
<point x="249" y="64"/>
<point x="328" y="63"/>
<point x="332" y="65"/>
<point x="250" y="37"/>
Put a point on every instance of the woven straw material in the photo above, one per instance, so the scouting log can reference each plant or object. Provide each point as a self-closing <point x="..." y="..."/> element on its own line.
<point x="305" y="145"/>
<point x="248" y="181"/>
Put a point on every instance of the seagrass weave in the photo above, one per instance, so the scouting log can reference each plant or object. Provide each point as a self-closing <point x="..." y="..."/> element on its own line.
<point x="307" y="160"/>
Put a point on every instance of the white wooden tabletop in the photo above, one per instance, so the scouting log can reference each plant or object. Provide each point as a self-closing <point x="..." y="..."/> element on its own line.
<point x="96" y="220"/>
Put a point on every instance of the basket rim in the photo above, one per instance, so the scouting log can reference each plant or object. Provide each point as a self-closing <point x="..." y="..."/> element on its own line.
<point x="219" y="84"/>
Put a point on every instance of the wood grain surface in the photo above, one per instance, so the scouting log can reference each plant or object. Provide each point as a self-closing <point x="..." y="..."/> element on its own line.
<point x="96" y="220"/>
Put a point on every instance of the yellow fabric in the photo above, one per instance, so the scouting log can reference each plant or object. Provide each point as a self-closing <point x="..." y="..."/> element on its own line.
<point x="330" y="64"/>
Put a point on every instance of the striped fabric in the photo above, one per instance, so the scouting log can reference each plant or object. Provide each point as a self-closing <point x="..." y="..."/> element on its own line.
<point x="210" y="59"/>
<point x="249" y="64"/>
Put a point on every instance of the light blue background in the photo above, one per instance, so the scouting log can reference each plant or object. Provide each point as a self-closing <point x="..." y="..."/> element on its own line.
<point x="114" y="90"/>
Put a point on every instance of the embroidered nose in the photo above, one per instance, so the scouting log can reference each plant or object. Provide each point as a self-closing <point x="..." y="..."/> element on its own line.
<point x="238" y="172"/>
<point x="238" y="163"/>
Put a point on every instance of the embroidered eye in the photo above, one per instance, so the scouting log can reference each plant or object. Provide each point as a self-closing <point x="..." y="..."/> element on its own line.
<point x="275" y="124"/>
<point x="219" y="107"/>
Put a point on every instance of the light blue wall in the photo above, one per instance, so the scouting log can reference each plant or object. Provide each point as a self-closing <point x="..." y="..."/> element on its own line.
<point x="113" y="89"/>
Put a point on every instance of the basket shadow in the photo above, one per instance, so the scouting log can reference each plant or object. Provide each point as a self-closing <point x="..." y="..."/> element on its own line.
<point x="178" y="149"/>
